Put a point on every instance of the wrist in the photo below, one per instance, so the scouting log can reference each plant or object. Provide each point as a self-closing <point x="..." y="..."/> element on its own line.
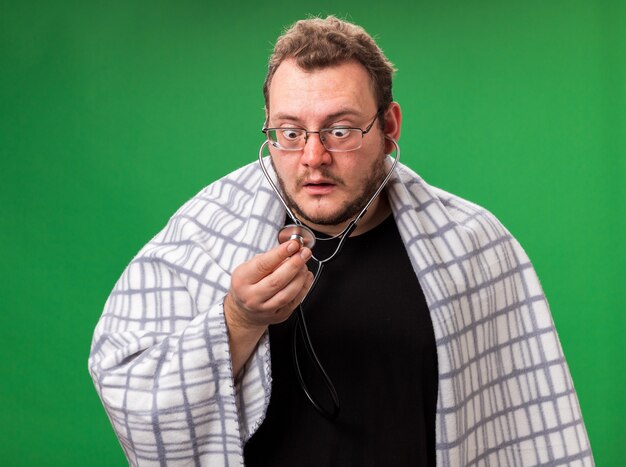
<point x="242" y="336"/>
<point x="236" y="321"/>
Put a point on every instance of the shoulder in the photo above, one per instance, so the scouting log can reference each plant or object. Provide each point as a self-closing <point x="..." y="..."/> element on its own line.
<point x="469" y="215"/>
<point x="447" y="209"/>
<point x="204" y="240"/>
<point x="229" y="193"/>
<point x="220" y="207"/>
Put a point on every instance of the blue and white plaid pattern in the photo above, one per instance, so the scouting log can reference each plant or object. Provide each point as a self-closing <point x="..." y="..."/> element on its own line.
<point x="161" y="364"/>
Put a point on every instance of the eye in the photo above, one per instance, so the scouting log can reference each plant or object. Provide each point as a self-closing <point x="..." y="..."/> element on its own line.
<point x="339" y="133"/>
<point x="291" y="134"/>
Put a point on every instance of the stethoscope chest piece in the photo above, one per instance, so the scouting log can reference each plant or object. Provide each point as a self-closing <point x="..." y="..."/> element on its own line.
<point x="297" y="232"/>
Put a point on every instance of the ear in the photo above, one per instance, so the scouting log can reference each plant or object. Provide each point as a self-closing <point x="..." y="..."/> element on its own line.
<point x="393" y="122"/>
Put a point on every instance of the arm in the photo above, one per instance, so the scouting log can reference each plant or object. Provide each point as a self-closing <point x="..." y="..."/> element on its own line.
<point x="161" y="354"/>
<point x="264" y="291"/>
<point x="161" y="364"/>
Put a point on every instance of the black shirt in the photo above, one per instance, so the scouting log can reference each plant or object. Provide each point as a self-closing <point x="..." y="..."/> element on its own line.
<point x="371" y="328"/>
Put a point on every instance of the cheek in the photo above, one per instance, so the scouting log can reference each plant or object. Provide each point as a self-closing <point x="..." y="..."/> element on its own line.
<point x="361" y="167"/>
<point x="286" y="169"/>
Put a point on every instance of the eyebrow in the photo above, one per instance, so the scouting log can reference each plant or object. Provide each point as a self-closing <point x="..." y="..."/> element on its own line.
<point x="333" y="116"/>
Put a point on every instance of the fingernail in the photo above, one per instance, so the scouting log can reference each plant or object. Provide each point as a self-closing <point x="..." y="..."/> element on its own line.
<point x="305" y="254"/>
<point x="292" y="247"/>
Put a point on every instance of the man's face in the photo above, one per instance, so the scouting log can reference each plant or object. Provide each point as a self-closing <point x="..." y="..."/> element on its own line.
<point x="322" y="187"/>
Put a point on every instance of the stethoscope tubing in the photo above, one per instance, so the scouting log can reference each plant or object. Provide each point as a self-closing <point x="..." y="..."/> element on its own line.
<point x="300" y="325"/>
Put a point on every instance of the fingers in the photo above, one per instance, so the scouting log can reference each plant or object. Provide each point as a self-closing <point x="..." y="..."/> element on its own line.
<point x="285" y="281"/>
<point x="290" y="294"/>
<point x="265" y="264"/>
<point x="266" y="289"/>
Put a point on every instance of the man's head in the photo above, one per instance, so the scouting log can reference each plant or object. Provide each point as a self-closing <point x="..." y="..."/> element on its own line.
<point x="328" y="74"/>
<point x="318" y="43"/>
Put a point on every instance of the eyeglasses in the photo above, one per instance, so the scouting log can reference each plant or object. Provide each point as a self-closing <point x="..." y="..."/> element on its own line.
<point x="334" y="139"/>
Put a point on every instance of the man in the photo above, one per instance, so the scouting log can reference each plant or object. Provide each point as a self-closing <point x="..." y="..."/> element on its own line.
<point x="430" y="325"/>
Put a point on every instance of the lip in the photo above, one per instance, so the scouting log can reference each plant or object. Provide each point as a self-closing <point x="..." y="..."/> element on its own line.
<point x="317" y="188"/>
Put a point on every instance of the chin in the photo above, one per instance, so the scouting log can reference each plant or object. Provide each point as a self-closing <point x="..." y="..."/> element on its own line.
<point x="322" y="220"/>
<point x="328" y="217"/>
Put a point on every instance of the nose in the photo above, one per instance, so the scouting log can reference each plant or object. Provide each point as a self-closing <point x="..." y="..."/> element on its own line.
<point x="314" y="153"/>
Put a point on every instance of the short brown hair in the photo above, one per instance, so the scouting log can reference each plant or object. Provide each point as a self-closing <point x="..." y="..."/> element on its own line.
<point x="319" y="43"/>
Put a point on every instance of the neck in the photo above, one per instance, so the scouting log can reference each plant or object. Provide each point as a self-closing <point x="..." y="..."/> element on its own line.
<point x="377" y="212"/>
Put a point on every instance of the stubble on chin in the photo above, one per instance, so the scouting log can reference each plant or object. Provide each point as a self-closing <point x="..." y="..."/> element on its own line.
<point x="349" y="209"/>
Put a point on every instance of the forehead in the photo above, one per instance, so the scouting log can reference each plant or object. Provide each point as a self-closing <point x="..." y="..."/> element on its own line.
<point x="309" y="95"/>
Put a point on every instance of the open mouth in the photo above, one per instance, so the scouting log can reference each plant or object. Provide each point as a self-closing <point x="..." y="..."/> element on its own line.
<point x="321" y="188"/>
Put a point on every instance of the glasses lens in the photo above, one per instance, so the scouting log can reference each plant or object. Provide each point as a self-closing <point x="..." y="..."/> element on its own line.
<point x="338" y="139"/>
<point x="288" y="139"/>
<point x="342" y="139"/>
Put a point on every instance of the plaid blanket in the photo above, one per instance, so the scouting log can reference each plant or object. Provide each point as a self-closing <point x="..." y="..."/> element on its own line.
<point x="160" y="358"/>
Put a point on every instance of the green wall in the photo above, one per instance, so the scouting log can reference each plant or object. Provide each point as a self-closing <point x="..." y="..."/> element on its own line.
<point x="112" y="114"/>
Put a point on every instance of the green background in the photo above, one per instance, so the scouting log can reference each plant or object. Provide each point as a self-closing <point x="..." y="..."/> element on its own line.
<point x="112" y="114"/>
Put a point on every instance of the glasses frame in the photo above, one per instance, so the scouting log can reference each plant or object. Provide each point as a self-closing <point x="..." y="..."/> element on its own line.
<point x="319" y="132"/>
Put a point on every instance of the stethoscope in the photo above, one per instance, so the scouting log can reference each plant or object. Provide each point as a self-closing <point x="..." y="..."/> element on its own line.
<point x="300" y="232"/>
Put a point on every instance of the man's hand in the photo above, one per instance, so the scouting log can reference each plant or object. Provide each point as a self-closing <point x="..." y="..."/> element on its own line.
<point x="264" y="291"/>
